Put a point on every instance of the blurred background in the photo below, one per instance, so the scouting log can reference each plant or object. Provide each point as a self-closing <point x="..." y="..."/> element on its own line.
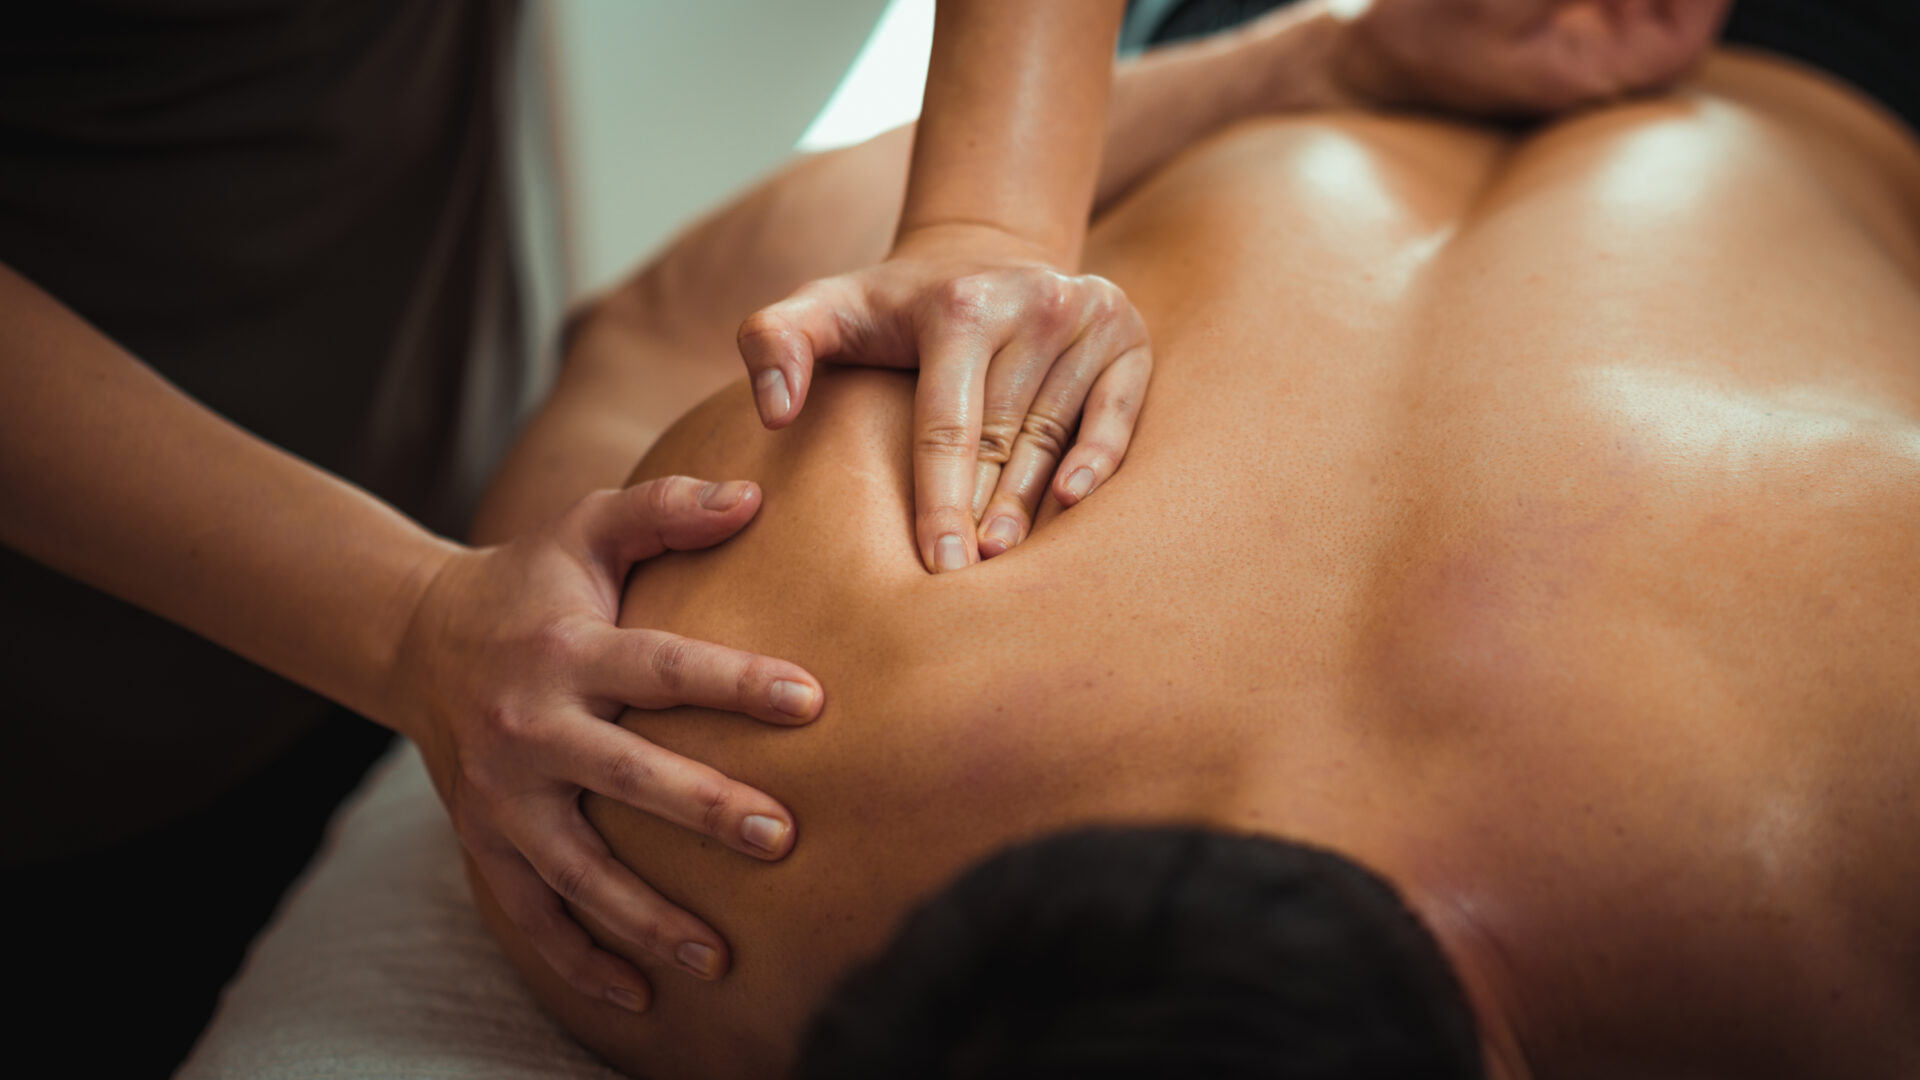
<point x="635" y="116"/>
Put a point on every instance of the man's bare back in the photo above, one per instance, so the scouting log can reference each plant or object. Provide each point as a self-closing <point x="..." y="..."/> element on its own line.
<point x="1534" y="519"/>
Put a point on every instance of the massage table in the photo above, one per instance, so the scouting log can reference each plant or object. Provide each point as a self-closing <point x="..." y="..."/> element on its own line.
<point x="377" y="964"/>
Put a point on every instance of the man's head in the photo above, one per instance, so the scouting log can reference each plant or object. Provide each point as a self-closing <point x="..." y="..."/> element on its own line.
<point x="1153" y="952"/>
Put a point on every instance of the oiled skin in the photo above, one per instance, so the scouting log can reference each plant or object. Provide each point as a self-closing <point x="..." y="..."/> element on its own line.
<point x="1534" y="517"/>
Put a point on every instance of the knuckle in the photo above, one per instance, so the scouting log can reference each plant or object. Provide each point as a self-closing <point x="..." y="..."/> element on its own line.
<point x="1105" y="302"/>
<point x="570" y="880"/>
<point x="965" y="299"/>
<point x="754" y="674"/>
<point x="996" y="441"/>
<point x="669" y="661"/>
<point x="943" y="439"/>
<point x="502" y="725"/>
<point x="650" y="936"/>
<point x="1124" y="404"/>
<point x="631" y="774"/>
<point x="1047" y="434"/>
<point x="715" y="799"/>
<point x="1055" y="290"/>
<point x="1049" y="301"/>
<point x="555" y="643"/>
<point x="663" y="496"/>
<point x="758" y="326"/>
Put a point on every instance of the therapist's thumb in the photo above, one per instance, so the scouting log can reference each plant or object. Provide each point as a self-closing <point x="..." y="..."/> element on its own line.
<point x="672" y="513"/>
<point x="781" y="342"/>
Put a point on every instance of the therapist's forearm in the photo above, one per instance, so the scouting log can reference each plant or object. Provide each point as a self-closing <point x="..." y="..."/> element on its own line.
<point x="1013" y="119"/>
<point x="113" y="476"/>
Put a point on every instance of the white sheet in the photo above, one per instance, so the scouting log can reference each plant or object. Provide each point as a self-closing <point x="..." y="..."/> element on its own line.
<point x="377" y="964"/>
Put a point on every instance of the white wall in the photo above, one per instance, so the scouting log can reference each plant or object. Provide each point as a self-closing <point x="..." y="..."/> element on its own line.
<point x="664" y="107"/>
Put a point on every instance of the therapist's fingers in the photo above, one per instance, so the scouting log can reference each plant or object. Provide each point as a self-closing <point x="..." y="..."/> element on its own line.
<point x="780" y="342"/>
<point x="947" y="408"/>
<point x="534" y="907"/>
<point x="1106" y="427"/>
<point x="1018" y="374"/>
<point x="1009" y="492"/>
<point x="654" y="669"/>
<point x="617" y="527"/>
<point x="1045" y="428"/>
<point x="615" y="762"/>
<point x="1098" y="384"/>
<point x="575" y="863"/>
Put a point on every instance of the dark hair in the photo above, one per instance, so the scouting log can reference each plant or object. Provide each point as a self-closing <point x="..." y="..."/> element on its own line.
<point x="1153" y="952"/>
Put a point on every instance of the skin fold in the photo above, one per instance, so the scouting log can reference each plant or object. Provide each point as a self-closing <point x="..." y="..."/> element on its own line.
<point x="1533" y="515"/>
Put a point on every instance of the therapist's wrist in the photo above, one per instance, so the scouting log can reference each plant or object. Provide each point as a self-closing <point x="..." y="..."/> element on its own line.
<point x="398" y="694"/>
<point x="980" y="241"/>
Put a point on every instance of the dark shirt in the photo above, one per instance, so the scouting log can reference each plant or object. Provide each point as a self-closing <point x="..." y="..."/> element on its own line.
<point x="295" y="211"/>
<point x="1873" y="44"/>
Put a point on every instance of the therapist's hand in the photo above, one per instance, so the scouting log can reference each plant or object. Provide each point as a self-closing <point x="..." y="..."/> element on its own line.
<point x="511" y="675"/>
<point x="1013" y="354"/>
<point x="1522" y="57"/>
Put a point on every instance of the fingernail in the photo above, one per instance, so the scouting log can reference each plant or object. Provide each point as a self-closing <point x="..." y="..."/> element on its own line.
<point x="723" y="496"/>
<point x="770" y="386"/>
<point x="1004" y="531"/>
<point x="1080" y="483"/>
<point x="949" y="553"/>
<point x="792" y="698"/>
<point x="626" y="999"/>
<point x="698" y="959"/>
<point x="767" y="834"/>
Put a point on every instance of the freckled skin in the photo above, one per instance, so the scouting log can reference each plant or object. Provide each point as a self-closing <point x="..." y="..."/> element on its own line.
<point x="1449" y="539"/>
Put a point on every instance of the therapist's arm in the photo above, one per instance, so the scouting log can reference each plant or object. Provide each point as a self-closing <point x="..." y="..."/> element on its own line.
<point x="661" y="342"/>
<point x="1011" y="127"/>
<point x="502" y="663"/>
<point x="979" y="290"/>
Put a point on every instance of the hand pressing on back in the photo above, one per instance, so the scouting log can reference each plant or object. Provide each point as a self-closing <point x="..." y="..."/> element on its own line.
<point x="1030" y="373"/>
<point x="1031" y="379"/>
<point x="510" y="677"/>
